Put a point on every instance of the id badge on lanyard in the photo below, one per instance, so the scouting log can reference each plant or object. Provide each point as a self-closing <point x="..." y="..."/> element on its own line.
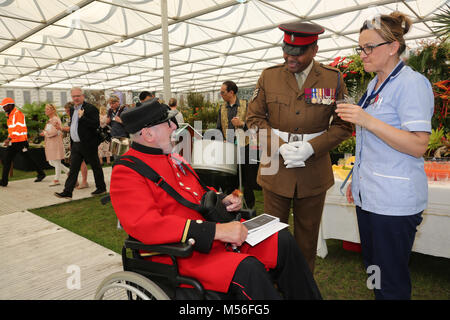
<point x="375" y="97"/>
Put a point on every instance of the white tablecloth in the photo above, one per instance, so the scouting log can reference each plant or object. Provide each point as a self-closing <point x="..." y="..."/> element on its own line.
<point x="432" y="237"/>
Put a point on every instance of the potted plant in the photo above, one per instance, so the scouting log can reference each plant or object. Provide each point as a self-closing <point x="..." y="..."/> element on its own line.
<point x="355" y="78"/>
<point x="344" y="150"/>
<point x="439" y="144"/>
<point x="431" y="60"/>
<point x="200" y="110"/>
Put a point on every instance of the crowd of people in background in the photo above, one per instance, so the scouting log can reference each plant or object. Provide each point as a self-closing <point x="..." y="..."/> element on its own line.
<point x="58" y="136"/>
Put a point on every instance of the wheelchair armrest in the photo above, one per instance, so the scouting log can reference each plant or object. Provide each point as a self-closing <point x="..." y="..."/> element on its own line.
<point x="247" y="214"/>
<point x="174" y="249"/>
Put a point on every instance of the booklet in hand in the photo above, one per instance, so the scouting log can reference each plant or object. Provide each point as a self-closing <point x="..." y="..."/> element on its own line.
<point x="261" y="227"/>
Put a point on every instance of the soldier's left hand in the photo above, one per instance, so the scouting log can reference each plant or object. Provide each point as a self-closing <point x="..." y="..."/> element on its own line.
<point x="303" y="151"/>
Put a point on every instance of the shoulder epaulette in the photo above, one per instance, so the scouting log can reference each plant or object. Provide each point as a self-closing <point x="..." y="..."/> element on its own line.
<point x="329" y="67"/>
<point x="276" y="66"/>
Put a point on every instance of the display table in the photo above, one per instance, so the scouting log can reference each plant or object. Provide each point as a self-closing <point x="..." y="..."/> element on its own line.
<point x="432" y="237"/>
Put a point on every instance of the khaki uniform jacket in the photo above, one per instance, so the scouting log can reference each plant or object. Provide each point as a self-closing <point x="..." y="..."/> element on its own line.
<point x="278" y="103"/>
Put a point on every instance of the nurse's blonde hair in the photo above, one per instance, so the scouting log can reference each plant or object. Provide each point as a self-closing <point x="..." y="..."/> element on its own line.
<point x="390" y="27"/>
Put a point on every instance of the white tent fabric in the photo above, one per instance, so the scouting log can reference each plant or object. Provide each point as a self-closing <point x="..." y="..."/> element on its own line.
<point x="117" y="44"/>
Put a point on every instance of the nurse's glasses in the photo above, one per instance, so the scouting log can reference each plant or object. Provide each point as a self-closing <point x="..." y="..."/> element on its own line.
<point x="367" y="49"/>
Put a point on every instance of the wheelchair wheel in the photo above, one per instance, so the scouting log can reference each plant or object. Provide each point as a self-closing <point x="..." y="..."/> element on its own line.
<point x="125" y="285"/>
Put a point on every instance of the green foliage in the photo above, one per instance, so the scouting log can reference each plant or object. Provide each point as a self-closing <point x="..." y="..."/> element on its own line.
<point x="3" y="127"/>
<point x="200" y="110"/>
<point x="195" y="100"/>
<point x="442" y="21"/>
<point x="430" y="60"/>
<point x="347" y="146"/>
<point x="355" y="78"/>
<point x="438" y="138"/>
<point x="35" y="118"/>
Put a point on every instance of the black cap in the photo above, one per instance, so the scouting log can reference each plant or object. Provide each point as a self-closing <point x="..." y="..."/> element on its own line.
<point x="150" y="113"/>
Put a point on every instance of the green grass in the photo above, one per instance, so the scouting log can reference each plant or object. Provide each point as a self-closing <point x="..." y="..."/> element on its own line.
<point x="20" y="174"/>
<point x="340" y="275"/>
<point x="87" y="218"/>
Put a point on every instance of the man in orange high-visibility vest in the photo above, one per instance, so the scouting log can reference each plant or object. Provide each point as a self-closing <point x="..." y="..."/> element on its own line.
<point x="17" y="140"/>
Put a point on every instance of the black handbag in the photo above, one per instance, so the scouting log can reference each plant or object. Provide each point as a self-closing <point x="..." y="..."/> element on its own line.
<point x="211" y="206"/>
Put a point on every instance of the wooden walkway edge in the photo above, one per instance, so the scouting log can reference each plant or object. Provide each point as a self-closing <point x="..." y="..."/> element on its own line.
<point x="40" y="260"/>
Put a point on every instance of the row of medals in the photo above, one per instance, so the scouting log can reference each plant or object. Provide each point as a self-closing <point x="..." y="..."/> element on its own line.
<point x="320" y="95"/>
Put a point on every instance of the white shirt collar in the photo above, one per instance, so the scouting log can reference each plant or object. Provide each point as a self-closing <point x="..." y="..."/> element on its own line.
<point x="301" y="76"/>
<point x="306" y="72"/>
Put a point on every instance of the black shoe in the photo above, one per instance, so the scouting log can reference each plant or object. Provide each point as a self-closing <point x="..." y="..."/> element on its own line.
<point x="3" y="184"/>
<point x="98" y="191"/>
<point x="40" y="177"/>
<point x="63" y="194"/>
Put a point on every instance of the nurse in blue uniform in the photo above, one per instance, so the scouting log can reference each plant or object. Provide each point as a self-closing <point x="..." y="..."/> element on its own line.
<point x="389" y="184"/>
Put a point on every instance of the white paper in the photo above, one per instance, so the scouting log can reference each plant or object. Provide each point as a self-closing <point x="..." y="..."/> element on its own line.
<point x="259" y="222"/>
<point x="263" y="233"/>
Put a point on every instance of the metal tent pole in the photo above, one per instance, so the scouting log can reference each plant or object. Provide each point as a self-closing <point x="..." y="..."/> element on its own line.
<point x="166" y="57"/>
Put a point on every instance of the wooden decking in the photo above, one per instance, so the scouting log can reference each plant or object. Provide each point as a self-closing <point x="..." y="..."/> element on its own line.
<point x="40" y="260"/>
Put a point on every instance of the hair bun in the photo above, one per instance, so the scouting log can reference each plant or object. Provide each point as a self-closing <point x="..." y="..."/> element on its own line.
<point x="403" y="20"/>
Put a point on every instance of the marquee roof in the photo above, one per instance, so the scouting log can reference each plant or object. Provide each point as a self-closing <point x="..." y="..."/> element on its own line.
<point x="117" y="44"/>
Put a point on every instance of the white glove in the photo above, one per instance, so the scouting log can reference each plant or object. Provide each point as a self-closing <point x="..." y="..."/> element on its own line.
<point x="287" y="150"/>
<point x="296" y="158"/>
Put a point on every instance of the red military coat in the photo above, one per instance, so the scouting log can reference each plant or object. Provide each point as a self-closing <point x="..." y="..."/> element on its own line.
<point x="150" y="215"/>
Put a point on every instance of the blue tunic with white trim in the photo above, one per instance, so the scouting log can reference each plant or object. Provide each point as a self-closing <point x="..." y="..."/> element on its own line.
<point x="386" y="181"/>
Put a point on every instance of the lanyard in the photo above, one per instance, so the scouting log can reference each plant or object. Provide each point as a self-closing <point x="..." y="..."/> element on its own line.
<point x="365" y="101"/>
<point x="368" y="101"/>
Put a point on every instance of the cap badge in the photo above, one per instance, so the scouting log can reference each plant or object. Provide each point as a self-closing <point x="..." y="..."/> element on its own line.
<point x="292" y="38"/>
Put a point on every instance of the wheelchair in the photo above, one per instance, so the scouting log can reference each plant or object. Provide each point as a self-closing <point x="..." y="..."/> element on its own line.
<point x="148" y="280"/>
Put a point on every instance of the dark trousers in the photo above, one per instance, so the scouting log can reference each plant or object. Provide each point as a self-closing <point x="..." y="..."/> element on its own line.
<point x="307" y="216"/>
<point x="292" y="276"/>
<point x="78" y="153"/>
<point x="249" y="169"/>
<point x="386" y="242"/>
<point x="11" y="151"/>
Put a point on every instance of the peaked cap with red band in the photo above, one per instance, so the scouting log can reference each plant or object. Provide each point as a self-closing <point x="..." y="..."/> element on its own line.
<point x="299" y="34"/>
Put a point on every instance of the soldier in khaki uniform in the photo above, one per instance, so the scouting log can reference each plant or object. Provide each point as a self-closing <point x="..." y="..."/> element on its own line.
<point x="295" y="103"/>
